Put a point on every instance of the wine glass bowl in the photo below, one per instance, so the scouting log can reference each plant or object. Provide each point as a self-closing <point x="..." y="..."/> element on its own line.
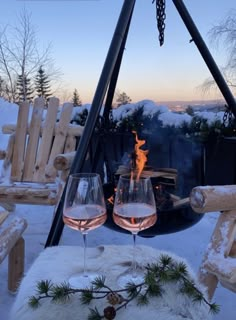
<point x="84" y="210"/>
<point x="134" y="210"/>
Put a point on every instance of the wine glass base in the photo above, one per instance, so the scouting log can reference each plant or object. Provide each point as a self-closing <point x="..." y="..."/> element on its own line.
<point x="82" y="281"/>
<point x="125" y="279"/>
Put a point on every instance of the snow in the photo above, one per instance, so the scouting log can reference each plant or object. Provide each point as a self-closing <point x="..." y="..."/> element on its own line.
<point x="189" y="244"/>
<point x="8" y="112"/>
<point x="174" y="119"/>
<point x="210" y="116"/>
<point x="149" y="108"/>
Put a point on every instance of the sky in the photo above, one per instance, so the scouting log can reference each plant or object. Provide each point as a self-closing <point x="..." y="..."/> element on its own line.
<point x="80" y="32"/>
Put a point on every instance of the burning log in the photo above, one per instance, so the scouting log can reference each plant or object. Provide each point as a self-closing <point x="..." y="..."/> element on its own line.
<point x="164" y="176"/>
<point x="164" y="180"/>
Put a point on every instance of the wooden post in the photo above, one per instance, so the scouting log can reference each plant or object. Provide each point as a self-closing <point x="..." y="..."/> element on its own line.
<point x="13" y="245"/>
<point x="16" y="264"/>
<point x="20" y="141"/>
<point x="209" y="280"/>
<point x="2" y="154"/>
<point x="218" y="264"/>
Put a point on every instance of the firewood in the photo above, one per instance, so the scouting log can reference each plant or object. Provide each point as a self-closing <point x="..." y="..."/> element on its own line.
<point x="165" y="176"/>
<point x="181" y="203"/>
<point x="174" y="197"/>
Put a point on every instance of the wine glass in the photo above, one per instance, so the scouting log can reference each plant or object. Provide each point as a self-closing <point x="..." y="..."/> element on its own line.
<point x="134" y="210"/>
<point x="84" y="210"/>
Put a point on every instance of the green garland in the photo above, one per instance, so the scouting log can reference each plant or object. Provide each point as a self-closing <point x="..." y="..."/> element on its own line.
<point x="197" y="128"/>
<point x="165" y="270"/>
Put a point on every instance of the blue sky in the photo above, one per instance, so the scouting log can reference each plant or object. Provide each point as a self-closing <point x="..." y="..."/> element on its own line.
<point x="81" y="32"/>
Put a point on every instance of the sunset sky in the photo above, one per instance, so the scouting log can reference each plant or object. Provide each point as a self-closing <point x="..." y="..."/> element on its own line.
<point x="81" y="31"/>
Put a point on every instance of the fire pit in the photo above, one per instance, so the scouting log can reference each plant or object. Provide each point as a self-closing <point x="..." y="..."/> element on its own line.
<point x="174" y="213"/>
<point x="171" y="188"/>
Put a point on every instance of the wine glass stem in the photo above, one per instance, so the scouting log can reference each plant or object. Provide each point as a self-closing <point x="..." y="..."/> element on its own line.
<point x="85" y="254"/>
<point x="134" y="262"/>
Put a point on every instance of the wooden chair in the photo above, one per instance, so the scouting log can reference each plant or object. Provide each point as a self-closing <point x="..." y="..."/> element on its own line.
<point x="12" y="245"/>
<point x="31" y="150"/>
<point x="219" y="262"/>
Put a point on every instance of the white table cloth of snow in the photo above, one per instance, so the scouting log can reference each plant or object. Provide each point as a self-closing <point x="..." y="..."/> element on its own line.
<point x="59" y="263"/>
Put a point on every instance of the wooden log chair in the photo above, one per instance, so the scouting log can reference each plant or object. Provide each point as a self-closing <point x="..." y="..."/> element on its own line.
<point x="31" y="150"/>
<point x="219" y="261"/>
<point x="12" y="244"/>
<point x="28" y="174"/>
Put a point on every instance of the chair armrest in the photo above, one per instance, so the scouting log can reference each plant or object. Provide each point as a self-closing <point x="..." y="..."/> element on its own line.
<point x="10" y="235"/>
<point x="213" y="198"/>
<point x="64" y="161"/>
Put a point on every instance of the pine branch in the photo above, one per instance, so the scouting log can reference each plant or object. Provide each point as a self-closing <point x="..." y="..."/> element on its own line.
<point x="165" y="270"/>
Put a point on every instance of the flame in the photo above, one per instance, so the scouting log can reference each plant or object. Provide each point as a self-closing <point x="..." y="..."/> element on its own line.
<point x="132" y="219"/>
<point x="141" y="155"/>
<point x="111" y="200"/>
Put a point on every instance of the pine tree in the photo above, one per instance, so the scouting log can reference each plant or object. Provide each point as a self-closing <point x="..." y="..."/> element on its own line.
<point x="42" y="85"/>
<point x="24" y="88"/>
<point x="76" y="99"/>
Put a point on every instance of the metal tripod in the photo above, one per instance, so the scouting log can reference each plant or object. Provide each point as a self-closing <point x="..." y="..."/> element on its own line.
<point x="107" y="84"/>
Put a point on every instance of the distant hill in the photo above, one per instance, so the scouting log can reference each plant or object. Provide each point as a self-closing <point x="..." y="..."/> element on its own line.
<point x="198" y="105"/>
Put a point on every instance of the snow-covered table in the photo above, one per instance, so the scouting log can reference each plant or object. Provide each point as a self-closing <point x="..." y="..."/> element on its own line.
<point x="59" y="263"/>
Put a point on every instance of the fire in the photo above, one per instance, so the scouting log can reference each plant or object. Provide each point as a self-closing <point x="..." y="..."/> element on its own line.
<point x="141" y="155"/>
<point x="111" y="200"/>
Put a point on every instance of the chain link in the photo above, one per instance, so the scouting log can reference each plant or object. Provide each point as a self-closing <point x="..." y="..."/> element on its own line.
<point x="160" y="16"/>
<point x="227" y="116"/>
<point x="111" y="118"/>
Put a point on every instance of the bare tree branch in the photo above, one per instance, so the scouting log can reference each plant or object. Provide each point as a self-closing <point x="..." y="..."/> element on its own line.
<point x="19" y="54"/>
<point x="223" y="36"/>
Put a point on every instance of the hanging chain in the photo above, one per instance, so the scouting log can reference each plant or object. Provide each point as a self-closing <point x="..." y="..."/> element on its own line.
<point x="111" y="118"/>
<point x="227" y="117"/>
<point x="160" y="16"/>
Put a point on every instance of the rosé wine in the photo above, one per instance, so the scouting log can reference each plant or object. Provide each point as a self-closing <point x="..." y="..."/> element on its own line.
<point x="134" y="217"/>
<point x="85" y="217"/>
